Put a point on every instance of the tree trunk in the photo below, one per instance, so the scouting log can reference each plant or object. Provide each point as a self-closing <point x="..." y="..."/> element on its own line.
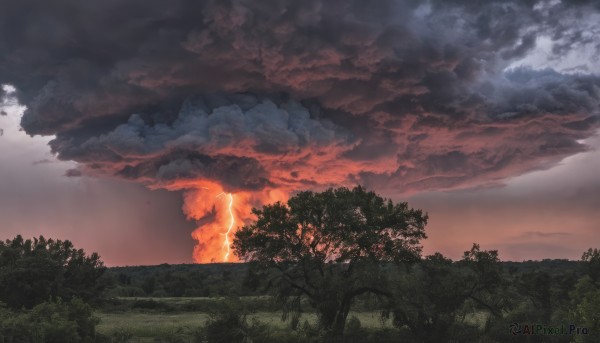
<point x="340" y="318"/>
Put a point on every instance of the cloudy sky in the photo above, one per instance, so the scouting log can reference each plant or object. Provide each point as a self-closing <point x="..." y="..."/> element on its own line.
<point x="125" y="121"/>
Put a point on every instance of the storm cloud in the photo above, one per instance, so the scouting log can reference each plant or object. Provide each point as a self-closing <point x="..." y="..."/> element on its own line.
<point x="403" y="95"/>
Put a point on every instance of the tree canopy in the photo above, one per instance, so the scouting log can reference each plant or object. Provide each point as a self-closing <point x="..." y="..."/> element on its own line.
<point x="331" y="247"/>
<point x="34" y="270"/>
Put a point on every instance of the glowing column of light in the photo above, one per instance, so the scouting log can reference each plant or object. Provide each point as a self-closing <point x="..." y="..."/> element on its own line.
<point x="226" y="242"/>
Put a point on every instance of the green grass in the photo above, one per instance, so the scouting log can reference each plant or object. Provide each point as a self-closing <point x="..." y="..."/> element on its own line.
<point x="148" y="324"/>
<point x="144" y="325"/>
<point x="184" y="300"/>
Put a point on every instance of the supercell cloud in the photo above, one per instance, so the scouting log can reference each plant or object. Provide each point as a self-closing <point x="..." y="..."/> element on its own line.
<point x="300" y="94"/>
<point x="402" y="96"/>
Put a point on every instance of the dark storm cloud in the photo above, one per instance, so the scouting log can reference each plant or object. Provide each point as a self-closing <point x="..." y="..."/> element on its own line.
<point x="73" y="172"/>
<point x="234" y="140"/>
<point x="405" y="94"/>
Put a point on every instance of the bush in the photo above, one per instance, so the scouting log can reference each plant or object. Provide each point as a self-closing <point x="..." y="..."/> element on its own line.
<point x="49" y="322"/>
<point x="229" y="324"/>
<point x="33" y="271"/>
<point x="353" y="327"/>
<point x="121" y="335"/>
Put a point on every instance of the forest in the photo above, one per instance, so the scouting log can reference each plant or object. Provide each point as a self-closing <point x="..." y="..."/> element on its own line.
<point x="343" y="265"/>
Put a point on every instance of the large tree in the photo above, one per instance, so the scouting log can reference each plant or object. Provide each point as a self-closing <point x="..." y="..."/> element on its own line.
<point x="331" y="247"/>
<point x="32" y="271"/>
<point x="433" y="299"/>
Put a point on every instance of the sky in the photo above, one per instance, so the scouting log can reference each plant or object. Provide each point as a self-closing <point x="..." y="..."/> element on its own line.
<point x="147" y="132"/>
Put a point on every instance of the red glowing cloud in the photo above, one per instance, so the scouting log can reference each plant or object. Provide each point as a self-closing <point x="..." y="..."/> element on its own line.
<point x="219" y="215"/>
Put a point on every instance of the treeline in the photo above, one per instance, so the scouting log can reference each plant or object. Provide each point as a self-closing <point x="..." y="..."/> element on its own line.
<point x="182" y="280"/>
<point x="240" y="279"/>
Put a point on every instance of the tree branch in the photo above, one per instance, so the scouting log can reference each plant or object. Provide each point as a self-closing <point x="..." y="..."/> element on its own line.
<point x="290" y="280"/>
<point x="482" y="303"/>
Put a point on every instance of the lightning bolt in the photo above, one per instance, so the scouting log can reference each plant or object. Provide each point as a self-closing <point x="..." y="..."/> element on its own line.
<point x="226" y="242"/>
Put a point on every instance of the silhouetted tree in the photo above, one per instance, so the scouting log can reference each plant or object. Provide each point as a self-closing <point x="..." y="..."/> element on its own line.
<point x="484" y="280"/>
<point x="433" y="299"/>
<point x="430" y="300"/>
<point x="331" y="247"/>
<point x="33" y="271"/>
<point x="591" y="261"/>
<point x="586" y="297"/>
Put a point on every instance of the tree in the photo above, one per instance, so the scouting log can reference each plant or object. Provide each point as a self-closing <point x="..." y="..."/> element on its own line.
<point x="433" y="299"/>
<point x="331" y="247"/>
<point x="591" y="261"/>
<point x="32" y="271"/>
<point x="586" y="297"/>
<point x="430" y="300"/>
<point x="485" y="279"/>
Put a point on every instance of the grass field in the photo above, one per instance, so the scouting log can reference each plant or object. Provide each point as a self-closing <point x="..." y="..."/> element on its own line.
<point x="146" y="325"/>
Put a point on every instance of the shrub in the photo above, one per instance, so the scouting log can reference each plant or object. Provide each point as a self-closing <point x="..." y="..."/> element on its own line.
<point x="353" y="327"/>
<point x="33" y="271"/>
<point x="121" y="335"/>
<point x="229" y="324"/>
<point x="49" y="322"/>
